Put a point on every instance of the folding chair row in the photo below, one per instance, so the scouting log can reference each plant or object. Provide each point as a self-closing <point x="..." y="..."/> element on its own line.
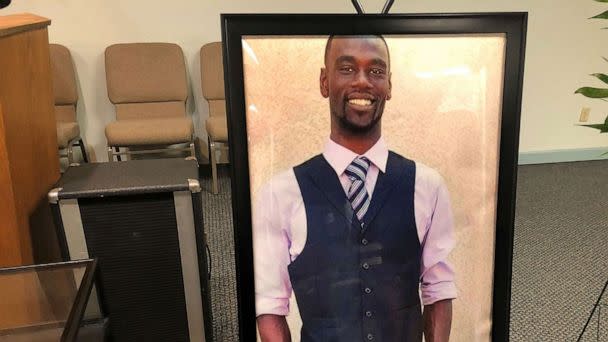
<point x="147" y="83"/>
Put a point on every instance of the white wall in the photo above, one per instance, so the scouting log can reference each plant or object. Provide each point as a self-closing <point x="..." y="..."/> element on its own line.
<point x="563" y="48"/>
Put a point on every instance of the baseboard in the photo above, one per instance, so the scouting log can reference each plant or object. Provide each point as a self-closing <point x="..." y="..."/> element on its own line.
<point x="558" y="156"/>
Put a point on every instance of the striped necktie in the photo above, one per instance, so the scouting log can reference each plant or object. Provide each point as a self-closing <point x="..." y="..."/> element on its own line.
<point x="357" y="193"/>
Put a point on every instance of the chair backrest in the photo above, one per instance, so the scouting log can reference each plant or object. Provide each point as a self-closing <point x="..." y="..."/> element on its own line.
<point x="64" y="83"/>
<point x="146" y="80"/>
<point x="212" y="78"/>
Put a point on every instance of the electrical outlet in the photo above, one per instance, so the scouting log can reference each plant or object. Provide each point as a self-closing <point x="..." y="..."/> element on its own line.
<point x="584" y="117"/>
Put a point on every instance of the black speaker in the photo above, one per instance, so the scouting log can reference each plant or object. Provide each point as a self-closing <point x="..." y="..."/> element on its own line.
<point x="143" y="220"/>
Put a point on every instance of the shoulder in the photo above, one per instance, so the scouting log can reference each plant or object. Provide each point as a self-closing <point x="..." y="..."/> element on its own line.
<point x="310" y="164"/>
<point x="286" y="182"/>
<point x="430" y="190"/>
<point x="281" y="184"/>
<point x="277" y="197"/>
<point x="427" y="177"/>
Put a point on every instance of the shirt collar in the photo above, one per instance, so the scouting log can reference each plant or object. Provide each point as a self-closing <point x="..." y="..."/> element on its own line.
<point x="339" y="157"/>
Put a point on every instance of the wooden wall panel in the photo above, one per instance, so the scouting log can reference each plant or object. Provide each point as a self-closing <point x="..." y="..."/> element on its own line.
<point x="10" y="251"/>
<point x="30" y="140"/>
<point x="29" y="163"/>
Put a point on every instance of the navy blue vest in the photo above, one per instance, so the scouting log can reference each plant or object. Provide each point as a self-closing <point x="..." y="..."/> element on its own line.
<point x="358" y="281"/>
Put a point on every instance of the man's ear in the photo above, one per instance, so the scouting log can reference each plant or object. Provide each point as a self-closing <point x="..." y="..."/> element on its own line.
<point x="390" y="87"/>
<point x="323" y="86"/>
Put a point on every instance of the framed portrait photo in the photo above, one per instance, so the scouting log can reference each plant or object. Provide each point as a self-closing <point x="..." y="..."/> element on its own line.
<point x="373" y="162"/>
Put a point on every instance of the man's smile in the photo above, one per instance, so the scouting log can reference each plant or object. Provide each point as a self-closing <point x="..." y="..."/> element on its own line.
<point x="361" y="102"/>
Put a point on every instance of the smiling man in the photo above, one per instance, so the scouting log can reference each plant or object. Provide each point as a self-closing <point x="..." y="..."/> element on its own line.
<point x="360" y="234"/>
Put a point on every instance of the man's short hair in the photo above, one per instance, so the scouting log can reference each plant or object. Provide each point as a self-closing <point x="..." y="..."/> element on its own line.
<point x="331" y="38"/>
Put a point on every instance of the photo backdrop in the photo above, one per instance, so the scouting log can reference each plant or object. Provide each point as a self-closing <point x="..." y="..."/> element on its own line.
<point x="444" y="112"/>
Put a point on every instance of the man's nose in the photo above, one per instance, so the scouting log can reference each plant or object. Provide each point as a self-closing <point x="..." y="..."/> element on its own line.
<point x="362" y="80"/>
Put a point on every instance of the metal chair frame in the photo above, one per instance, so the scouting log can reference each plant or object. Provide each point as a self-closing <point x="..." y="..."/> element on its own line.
<point x="69" y="150"/>
<point x="114" y="151"/>
<point x="214" y="147"/>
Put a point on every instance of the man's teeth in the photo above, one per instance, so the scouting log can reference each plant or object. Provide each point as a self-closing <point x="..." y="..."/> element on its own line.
<point x="360" y="102"/>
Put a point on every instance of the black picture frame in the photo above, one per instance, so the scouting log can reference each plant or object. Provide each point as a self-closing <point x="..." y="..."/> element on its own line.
<point x="512" y="25"/>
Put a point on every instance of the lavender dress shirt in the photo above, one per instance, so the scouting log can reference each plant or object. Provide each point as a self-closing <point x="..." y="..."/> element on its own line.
<point x="279" y="228"/>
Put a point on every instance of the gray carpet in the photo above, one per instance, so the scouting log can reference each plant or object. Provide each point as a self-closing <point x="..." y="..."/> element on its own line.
<point x="560" y="253"/>
<point x="217" y="215"/>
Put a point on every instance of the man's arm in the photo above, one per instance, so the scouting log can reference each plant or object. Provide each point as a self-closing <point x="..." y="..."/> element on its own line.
<point x="437" y="276"/>
<point x="271" y="243"/>
<point x="438" y="321"/>
<point x="273" y="328"/>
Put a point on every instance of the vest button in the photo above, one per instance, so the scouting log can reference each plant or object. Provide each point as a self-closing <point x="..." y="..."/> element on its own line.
<point x="365" y="266"/>
<point x="370" y="337"/>
<point x="367" y="290"/>
<point x="368" y="313"/>
<point x="364" y="242"/>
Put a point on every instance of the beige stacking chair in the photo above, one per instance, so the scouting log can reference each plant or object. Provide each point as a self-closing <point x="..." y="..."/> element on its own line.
<point x="212" y="79"/>
<point x="66" y="99"/>
<point x="147" y="84"/>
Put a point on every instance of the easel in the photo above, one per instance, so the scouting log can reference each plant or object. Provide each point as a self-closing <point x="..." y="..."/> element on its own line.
<point x="387" y="6"/>
<point x="598" y="306"/>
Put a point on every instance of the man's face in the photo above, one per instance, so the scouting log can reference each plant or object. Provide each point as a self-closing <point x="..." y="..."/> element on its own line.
<point x="356" y="79"/>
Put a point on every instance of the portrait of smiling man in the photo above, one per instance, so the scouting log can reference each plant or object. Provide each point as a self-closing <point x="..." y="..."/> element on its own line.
<point x="360" y="234"/>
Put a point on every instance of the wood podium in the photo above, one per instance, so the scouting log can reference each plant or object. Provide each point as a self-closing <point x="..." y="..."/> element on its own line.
<point x="29" y="163"/>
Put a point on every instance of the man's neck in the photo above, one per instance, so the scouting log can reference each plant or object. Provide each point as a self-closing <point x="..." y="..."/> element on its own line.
<point x="357" y="144"/>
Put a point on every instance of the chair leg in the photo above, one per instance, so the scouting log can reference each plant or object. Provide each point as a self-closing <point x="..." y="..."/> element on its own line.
<point x="117" y="151"/>
<point x="213" y="160"/>
<point x="209" y="148"/>
<point x="192" y="150"/>
<point x="110" y="154"/>
<point x="70" y="153"/>
<point x="83" y="150"/>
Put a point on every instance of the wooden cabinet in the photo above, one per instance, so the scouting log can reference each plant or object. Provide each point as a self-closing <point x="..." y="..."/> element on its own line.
<point x="29" y="163"/>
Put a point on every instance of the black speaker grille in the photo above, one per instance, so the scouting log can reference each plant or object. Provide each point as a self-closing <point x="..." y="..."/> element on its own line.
<point x="136" y="241"/>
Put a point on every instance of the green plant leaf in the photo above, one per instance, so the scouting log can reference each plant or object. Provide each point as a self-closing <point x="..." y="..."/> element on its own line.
<point x="594" y="93"/>
<point x="601" y="77"/>
<point x="601" y="0"/>
<point x="603" y="15"/>
<point x="603" y="154"/>
<point x="602" y="127"/>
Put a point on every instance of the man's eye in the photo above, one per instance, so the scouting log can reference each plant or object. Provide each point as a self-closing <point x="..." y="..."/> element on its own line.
<point x="377" y="71"/>
<point x="346" y="69"/>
